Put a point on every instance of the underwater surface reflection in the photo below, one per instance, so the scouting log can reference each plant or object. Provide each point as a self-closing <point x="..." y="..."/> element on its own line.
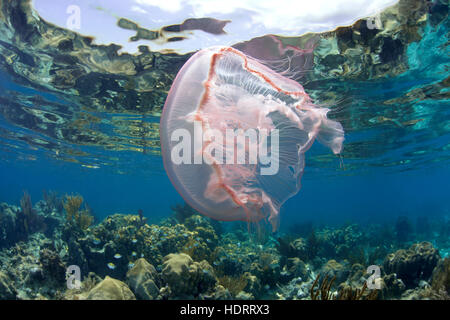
<point x="83" y="181"/>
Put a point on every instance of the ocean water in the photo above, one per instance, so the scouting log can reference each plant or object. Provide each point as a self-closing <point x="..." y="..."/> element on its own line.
<point x="80" y="122"/>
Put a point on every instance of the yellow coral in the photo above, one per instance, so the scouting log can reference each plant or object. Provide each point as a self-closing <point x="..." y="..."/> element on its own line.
<point x="323" y="292"/>
<point x="197" y="250"/>
<point x="72" y="206"/>
<point x="234" y="284"/>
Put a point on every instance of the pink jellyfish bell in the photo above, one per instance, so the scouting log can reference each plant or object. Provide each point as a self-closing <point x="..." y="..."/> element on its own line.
<point x="234" y="133"/>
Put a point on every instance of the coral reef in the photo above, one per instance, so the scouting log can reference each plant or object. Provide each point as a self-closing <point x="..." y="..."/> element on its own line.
<point x="81" y="218"/>
<point x="142" y="279"/>
<point x="425" y="292"/>
<point x="28" y="221"/>
<point x="110" y="289"/>
<point x="19" y="223"/>
<point x="345" y="291"/>
<point x="186" y="278"/>
<point x="323" y="290"/>
<point x="440" y="279"/>
<point x="7" y="291"/>
<point x="392" y="286"/>
<point x="234" y="284"/>
<point x="53" y="268"/>
<point x="8" y="234"/>
<point x="187" y="255"/>
<point x="336" y="270"/>
<point x="53" y="201"/>
<point x="412" y="265"/>
<point x="124" y="257"/>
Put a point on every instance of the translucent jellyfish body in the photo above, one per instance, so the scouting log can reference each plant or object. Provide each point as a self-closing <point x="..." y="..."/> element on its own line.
<point x="234" y="133"/>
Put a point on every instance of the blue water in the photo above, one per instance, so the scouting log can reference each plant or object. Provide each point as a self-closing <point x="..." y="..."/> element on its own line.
<point x="375" y="196"/>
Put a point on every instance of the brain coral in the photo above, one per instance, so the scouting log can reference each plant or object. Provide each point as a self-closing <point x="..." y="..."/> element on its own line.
<point x="412" y="265"/>
<point x="186" y="277"/>
<point x="111" y="289"/>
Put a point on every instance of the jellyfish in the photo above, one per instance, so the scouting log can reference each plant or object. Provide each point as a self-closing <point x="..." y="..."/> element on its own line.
<point x="234" y="133"/>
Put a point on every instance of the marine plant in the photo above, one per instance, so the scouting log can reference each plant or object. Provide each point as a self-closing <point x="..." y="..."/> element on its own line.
<point x="28" y="220"/>
<point x="357" y="255"/>
<point x="322" y="292"/>
<point x="267" y="268"/>
<point x="82" y="218"/>
<point x="413" y="264"/>
<point x="312" y="244"/>
<point x="53" y="267"/>
<point x="142" y="219"/>
<point x="265" y="261"/>
<point x="182" y="212"/>
<point x="234" y="284"/>
<point x="197" y="250"/>
<point x="346" y="292"/>
<point x="53" y="200"/>
<point x="285" y="247"/>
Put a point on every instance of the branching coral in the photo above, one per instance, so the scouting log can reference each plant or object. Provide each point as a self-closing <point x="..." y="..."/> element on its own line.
<point x="27" y="211"/>
<point x="53" y="200"/>
<point x="72" y="205"/>
<point x="345" y="293"/>
<point x="234" y="284"/>
<point x="312" y="244"/>
<point x="285" y="247"/>
<point x="357" y="255"/>
<point x="28" y="220"/>
<point x="82" y="218"/>
<point x="348" y="293"/>
<point x="197" y="250"/>
<point x="25" y="204"/>
<point x="267" y="269"/>
<point x="323" y="291"/>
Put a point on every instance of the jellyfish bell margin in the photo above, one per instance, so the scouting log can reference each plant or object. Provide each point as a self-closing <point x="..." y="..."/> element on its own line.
<point x="225" y="91"/>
